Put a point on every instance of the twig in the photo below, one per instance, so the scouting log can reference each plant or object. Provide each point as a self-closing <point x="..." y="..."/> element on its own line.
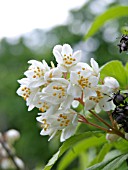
<point x="84" y="120"/>
<point x="111" y="119"/>
<point x="113" y="130"/>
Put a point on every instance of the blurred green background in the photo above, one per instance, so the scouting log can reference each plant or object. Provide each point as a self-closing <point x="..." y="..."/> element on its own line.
<point x="32" y="148"/>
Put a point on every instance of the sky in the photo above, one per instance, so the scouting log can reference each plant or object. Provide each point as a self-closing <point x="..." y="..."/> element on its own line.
<point x="21" y="16"/>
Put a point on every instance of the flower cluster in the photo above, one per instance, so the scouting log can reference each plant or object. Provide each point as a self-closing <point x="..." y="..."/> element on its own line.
<point x="54" y="89"/>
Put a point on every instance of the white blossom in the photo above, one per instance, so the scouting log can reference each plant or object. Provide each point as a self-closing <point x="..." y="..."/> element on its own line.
<point x="100" y="101"/>
<point x="29" y="95"/>
<point x="82" y="82"/>
<point x="66" y="59"/>
<point x="56" y="93"/>
<point x="54" y="90"/>
<point x="61" y="120"/>
<point x="36" y="72"/>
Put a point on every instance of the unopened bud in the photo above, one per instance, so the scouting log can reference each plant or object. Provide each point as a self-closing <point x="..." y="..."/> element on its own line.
<point x="126" y="136"/>
<point x="19" y="162"/>
<point x="12" y="135"/>
<point x="75" y="103"/>
<point x="111" y="137"/>
<point x="6" y="164"/>
<point x="111" y="82"/>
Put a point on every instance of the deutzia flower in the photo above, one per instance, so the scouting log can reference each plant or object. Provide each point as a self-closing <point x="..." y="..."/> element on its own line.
<point x="28" y="94"/>
<point x="101" y="101"/>
<point x="61" y="120"/>
<point x="42" y="105"/>
<point x="56" y="93"/>
<point x="84" y="80"/>
<point x="65" y="57"/>
<point x="36" y="73"/>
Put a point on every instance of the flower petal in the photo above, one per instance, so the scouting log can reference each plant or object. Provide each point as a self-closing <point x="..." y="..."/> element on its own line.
<point x="89" y="104"/>
<point x="111" y="82"/>
<point x="66" y="49"/>
<point x="94" y="65"/>
<point x="58" y="56"/>
<point x="67" y="133"/>
<point x="74" y="90"/>
<point x="77" y="56"/>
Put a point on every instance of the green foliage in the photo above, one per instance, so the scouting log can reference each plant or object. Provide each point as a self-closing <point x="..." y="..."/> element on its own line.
<point x="70" y="143"/>
<point x="78" y="148"/>
<point x="117" y="70"/>
<point x="111" y="164"/>
<point x="111" y="13"/>
<point x="104" y="150"/>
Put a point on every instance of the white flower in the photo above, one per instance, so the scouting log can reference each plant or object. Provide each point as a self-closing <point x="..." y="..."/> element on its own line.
<point x="100" y="101"/>
<point x="43" y="105"/>
<point x="112" y="83"/>
<point x="36" y="73"/>
<point x="61" y="120"/>
<point x="29" y="95"/>
<point x="82" y="81"/>
<point x="94" y="69"/>
<point x="65" y="57"/>
<point x="56" y="93"/>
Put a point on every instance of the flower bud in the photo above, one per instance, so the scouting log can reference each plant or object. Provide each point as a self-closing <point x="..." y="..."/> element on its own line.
<point x="19" y="162"/>
<point x="126" y="136"/>
<point x="111" y="137"/>
<point x="12" y="135"/>
<point x="75" y="103"/>
<point x="7" y="164"/>
<point x="111" y="82"/>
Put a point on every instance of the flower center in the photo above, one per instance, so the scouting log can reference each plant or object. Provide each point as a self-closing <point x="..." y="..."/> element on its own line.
<point x="38" y="72"/>
<point x="68" y="60"/>
<point x="26" y="92"/>
<point x="83" y="82"/>
<point x="44" y="107"/>
<point x="59" y="91"/>
<point x="63" y="120"/>
<point x="97" y="98"/>
<point x="45" y="125"/>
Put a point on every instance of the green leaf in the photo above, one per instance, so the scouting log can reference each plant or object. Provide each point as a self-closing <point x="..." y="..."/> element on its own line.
<point x="111" y="164"/>
<point x="116" y="162"/>
<point x="67" y="145"/>
<point x="83" y="159"/>
<point x="106" y="147"/>
<point x="115" y="69"/>
<point x="121" y="145"/>
<point x="111" y="13"/>
<point x="78" y="148"/>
